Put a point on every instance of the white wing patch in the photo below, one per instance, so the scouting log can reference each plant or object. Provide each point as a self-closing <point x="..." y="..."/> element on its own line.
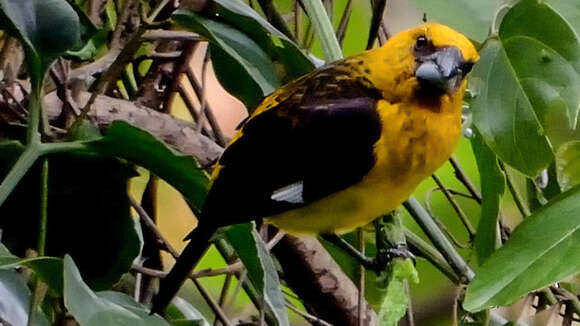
<point x="291" y="193"/>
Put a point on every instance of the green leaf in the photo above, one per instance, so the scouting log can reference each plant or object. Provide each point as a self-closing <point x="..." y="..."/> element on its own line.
<point x="570" y="10"/>
<point x="105" y="308"/>
<point x="15" y="301"/>
<point x="140" y="147"/>
<point x="277" y="45"/>
<point x="396" y="301"/>
<point x="541" y="251"/>
<point x="181" y="312"/>
<point x="47" y="28"/>
<point x="567" y="164"/>
<point x="472" y="18"/>
<point x="261" y="270"/>
<point x="88" y="194"/>
<point x="492" y="188"/>
<point x="528" y="103"/>
<point x="504" y="115"/>
<point x="241" y="66"/>
<point x="48" y="269"/>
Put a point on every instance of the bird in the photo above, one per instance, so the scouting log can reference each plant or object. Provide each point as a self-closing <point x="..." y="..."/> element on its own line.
<point x="340" y="146"/>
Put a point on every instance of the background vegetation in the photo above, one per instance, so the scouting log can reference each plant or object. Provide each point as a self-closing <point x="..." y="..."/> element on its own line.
<point x="97" y="95"/>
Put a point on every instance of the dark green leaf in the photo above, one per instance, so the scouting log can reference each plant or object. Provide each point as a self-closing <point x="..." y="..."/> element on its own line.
<point x="140" y="147"/>
<point x="87" y="194"/>
<point x="473" y="18"/>
<point x="570" y="10"/>
<point x="15" y="300"/>
<point x="241" y="65"/>
<point x="277" y="45"/>
<point x="542" y="250"/>
<point x="567" y="164"/>
<point x="48" y="269"/>
<point x="47" y="28"/>
<point x="261" y="270"/>
<point x="106" y="308"/>
<point x="492" y="188"/>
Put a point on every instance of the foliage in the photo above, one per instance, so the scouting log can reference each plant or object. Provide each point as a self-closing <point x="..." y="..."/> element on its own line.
<point x="64" y="189"/>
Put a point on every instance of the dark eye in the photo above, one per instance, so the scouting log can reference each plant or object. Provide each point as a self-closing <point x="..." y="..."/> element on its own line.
<point x="422" y="42"/>
<point x="466" y="68"/>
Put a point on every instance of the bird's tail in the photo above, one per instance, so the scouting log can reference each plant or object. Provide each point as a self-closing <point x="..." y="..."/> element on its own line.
<point x="192" y="253"/>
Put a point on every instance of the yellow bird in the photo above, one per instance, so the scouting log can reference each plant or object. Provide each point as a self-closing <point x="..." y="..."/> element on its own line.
<point x="340" y="146"/>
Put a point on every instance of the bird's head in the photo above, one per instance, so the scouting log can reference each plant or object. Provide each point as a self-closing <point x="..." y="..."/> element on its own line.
<point x="430" y="60"/>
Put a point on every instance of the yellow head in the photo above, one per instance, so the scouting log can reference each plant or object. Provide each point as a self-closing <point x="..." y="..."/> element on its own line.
<point x="430" y="60"/>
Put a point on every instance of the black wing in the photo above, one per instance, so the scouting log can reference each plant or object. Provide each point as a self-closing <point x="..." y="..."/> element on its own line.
<point x="320" y="140"/>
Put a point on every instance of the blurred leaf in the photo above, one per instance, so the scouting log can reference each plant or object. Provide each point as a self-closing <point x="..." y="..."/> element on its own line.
<point x="542" y="250"/>
<point x="472" y="18"/>
<point x="570" y="10"/>
<point x="277" y="45"/>
<point x="181" y="312"/>
<point x="111" y="13"/>
<point x="492" y="181"/>
<point x="528" y="103"/>
<point x="47" y="28"/>
<point x="91" y="47"/>
<point x="105" y="308"/>
<point x="568" y="164"/>
<point x="15" y="300"/>
<point x="397" y="299"/>
<point x="261" y="270"/>
<point x="140" y="147"/>
<point x="241" y="66"/>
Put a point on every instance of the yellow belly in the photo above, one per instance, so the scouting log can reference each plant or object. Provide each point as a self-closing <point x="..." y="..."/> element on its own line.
<point x="414" y="143"/>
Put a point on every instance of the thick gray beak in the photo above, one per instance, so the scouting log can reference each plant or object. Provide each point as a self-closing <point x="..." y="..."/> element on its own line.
<point x="442" y="70"/>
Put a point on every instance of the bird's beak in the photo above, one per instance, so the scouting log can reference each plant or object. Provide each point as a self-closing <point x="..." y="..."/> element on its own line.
<point x="442" y="70"/>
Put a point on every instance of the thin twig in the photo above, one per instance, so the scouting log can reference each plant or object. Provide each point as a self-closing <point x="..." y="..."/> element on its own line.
<point x="464" y="219"/>
<point x="169" y="35"/>
<point x="361" y="279"/>
<point x="344" y="20"/>
<point x="378" y="10"/>
<point x="203" y="100"/>
<point x="463" y="178"/>
<point x="519" y="200"/>
<point x="310" y="318"/>
<point x="153" y="227"/>
<point x="425" y="250"/>
<point x="215" y="307"/>
<point x="275" y="18"/>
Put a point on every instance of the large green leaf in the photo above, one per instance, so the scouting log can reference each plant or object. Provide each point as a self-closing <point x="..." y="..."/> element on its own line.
<point x="570" y="9"/>
<point x="242" y="67"/>
<point x="528" y="102"/>
<point x="48" y="269"/>
<point x="261" y="269"/>
<point x="473" y="18"/>
<point x="47" y="28"/>
<point x="542" y="250"/>
<point x="397" y="300"/>
<point x="140" y="147"/>
<point x="105" y="308"/>
<point x="492" y="188"/>
<point x="277" y="45"/>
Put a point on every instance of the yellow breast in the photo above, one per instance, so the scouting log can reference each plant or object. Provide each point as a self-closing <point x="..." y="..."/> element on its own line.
<point x="416" y="140"/>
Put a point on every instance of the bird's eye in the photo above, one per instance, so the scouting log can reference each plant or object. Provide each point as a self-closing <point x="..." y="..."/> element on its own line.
<point x="466" y="68"/>
<point x="422" y="42"/>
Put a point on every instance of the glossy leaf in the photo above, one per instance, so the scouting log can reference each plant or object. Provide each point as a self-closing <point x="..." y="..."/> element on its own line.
<point x="472" y="18"/>
<point x="106" y="308"/>
<point x="241" y="66"/>
<point x="504" y="115"/>
<point x="261" y="269"/>
<point x="140" y="147"/>
<point x="277" y="45"/>
<point x="47" y="28"/>
<point x="528" y="104"/>
<point x="492" y="188"/>
<point x="542" y="250"/>
<point x="568" y="165"/>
